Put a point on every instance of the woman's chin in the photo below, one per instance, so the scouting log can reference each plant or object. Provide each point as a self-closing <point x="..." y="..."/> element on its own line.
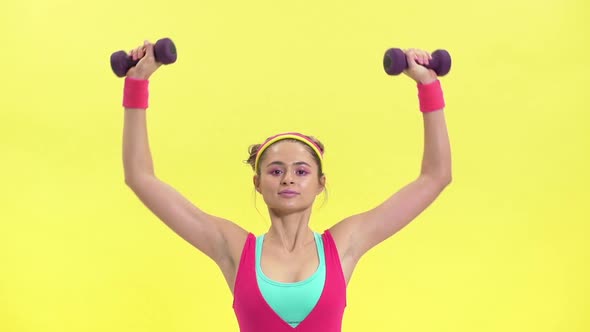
<point x="283" y="209"/>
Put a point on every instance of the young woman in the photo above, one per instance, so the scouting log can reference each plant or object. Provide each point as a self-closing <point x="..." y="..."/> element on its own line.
<point x="290" y="278"/>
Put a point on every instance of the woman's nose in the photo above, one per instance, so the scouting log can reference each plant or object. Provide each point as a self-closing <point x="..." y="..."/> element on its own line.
<point x="288" y="178"/>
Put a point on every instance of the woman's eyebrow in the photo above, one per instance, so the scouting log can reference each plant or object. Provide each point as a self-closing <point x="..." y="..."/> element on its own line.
<point x="280" y="163"/>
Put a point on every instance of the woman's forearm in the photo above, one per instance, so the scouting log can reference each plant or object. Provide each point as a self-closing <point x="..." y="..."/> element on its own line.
<point x="436" y="160"/>
<point x="137" y="158"/>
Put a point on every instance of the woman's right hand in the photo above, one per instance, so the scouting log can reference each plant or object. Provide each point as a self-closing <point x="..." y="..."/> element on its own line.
<point x="147" y="65"/>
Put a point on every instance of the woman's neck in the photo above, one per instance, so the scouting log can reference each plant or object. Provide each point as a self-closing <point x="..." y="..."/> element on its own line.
<point x="290" y="232"/>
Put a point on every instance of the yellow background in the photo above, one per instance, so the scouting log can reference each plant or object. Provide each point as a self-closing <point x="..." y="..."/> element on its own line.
<point x="503" y="249"/>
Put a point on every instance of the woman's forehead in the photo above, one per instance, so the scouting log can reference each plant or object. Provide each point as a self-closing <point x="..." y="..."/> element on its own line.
<point x="288" y="152"/>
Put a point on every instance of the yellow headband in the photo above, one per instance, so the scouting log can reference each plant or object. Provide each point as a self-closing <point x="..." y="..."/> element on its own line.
<point x="296" y="136"/>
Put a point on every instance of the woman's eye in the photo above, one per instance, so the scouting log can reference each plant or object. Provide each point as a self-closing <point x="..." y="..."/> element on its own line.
<point x="302" y="172"/>
<point x="276" y="172"/>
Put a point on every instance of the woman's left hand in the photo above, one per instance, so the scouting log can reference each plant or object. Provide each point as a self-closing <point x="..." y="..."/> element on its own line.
<point x="416" y="58"/>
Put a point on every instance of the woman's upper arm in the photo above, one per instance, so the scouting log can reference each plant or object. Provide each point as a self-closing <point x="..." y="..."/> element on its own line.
<point x="359" y="233"/>
<point x="218" y="238"/>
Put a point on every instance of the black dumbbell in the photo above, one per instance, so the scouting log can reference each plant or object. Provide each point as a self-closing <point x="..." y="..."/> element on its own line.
<point x="164" y="51"/>
<point x="395" y="62"/>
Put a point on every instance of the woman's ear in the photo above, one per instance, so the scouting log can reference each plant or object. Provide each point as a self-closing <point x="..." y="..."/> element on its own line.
<point x="256" y="181"/>
<point x="322" y="184"/>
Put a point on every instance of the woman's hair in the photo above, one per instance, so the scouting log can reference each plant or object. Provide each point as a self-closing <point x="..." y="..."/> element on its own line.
<point x="253" y="150"/>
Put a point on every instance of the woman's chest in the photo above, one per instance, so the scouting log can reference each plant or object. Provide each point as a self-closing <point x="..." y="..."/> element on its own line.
<point x="289" y="268"/>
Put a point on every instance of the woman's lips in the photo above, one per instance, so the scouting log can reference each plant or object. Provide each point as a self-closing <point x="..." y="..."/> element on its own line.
<point x="288" y="193"/>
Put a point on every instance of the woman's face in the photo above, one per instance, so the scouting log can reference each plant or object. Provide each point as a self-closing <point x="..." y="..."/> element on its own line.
<point x="288" y="178"/>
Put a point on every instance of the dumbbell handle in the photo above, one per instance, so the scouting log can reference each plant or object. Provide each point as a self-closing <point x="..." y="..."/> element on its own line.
<point x="164" y="52"/>
<point x="395" y="62"/>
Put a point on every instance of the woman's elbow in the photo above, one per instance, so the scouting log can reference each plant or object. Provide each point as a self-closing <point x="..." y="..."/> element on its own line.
<point x="447" y="179"/>
<point x="440" y="180"/>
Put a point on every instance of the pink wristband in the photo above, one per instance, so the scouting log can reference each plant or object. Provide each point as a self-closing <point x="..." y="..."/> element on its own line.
<point x="431" y="97"/>
<point x="135" y="93"/>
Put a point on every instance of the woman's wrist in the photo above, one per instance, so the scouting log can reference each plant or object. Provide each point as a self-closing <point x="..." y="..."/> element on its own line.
<point x="137" y="75"/>
<point x="430" y="96"/>
<point x="427" y="80"/>
<point x="136" y="93"/>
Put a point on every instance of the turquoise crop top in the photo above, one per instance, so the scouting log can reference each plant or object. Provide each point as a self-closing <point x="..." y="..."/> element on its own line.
<point x="292" y="301"/>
